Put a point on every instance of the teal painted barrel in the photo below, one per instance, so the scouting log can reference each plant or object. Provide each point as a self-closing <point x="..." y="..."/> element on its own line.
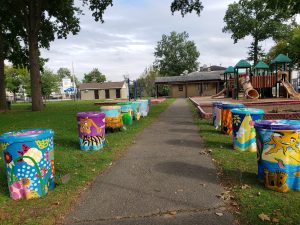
<point x="216" y="112"/>
<point x="136" y="107"/>
<point x="113" y="117"/>
<point x="144" y="107"/>
<point x="278" y="154"/>
<point x="243" y="132"/>
<point x="127" y="112"/>
<point x="29" y="162"/>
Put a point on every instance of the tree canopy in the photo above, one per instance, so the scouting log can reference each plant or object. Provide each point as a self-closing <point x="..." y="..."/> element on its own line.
<point x="175" y="54"/>
<point x="186" y="6"/>
<point x="94" y="76"/>
<point x="253" y="18"/>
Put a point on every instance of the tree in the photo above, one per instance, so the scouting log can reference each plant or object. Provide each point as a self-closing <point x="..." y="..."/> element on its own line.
<point x="253" y="18"/>
<point x="291" y="7"/>
<point x="63" y="73"/>
<point x="50" y="83"/>
<point x="147" y="81"/>
<point x="260" y="53"/>
<point x="289" y="46"/>
<point x="175" y="53"/>
<point x="94" y="76"/>
<point x="186" y="6"/>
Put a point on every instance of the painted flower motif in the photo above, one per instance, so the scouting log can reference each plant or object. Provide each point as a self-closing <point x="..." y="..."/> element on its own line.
<point x="33" y="153"/>
<point x="32" y="194"/>
<point x="7" y="157"/>
<point x="17" y="190"/>
<point x="251" y="123"/>
<point x="236" y="120"/>
<point x="25" y="181"/>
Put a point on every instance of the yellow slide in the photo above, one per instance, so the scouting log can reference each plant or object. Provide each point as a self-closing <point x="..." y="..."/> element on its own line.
<point x="290" y="89"/>
<point x="249" y="91"/>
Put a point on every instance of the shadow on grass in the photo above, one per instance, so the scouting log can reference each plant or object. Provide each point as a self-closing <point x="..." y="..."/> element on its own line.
<point x="183" y="169"/>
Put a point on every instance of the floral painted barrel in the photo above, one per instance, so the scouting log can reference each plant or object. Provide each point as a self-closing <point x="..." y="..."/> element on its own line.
<point x="278" y="154"/>
<point x="244" y="135"/>
<point x="144" y="107"/>
<point x="113" y="117"/>
<point x="91" y="130"/>
<point x="29" y="162"/>
<point x="226" y="116"/>
<point x="127" y="112"/>
<point x="136" y="107"/>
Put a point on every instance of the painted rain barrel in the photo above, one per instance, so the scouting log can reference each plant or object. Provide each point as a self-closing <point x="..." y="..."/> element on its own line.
<point x="226" y="116"/>
<point x="113" y="117"/>
<point x="278" y="154"/>
<point x="144" y="107"/>
<point x="29" y="162"/>
<point x="136" y="107"/>
<point x="243" y="131"/>
<point x="127" y="112"/>
<point x="91" y="130"/>
<point x="216" y="112"/>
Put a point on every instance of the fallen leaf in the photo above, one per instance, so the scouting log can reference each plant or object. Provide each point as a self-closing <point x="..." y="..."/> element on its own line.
<point x="258" y="193"/>
<point x="94" y="170"/>
<point x="275" y="220"/>
<point x="245" y="186"/>
<point x="219" y="214"/>
<point x="173" y="213"/>
<point x="264" y="217"/>
<point x="180" y="190"/>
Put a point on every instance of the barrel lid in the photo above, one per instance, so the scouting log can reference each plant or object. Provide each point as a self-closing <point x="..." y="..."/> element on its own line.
<point x="248" y="111"/>
<point x="90" y="114"/>
<point x="110" y="107"/>
<point x="232" y="105"/>
<point x="278" y="124"/>
<point x="142" y="100"/>
<point x="26" y="135"/>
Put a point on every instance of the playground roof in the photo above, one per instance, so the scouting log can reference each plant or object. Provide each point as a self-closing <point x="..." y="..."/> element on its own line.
<point x="194" y="76"/>
<point x="243" y="64"/>
<point x="261" y="65"/>
<point x="281" y="58"/>
<point x="229" y="69"/>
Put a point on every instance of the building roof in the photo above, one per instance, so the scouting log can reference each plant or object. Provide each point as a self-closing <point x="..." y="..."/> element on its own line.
<point x="104" y="85"/>
<point x="194" y="76"/>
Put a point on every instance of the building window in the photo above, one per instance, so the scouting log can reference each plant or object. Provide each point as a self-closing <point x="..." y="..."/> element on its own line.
<point x="118" y="93"/>
<point x="107" y="93"/>
<point x="96" y="94"/>
<point x="180" y="87"/>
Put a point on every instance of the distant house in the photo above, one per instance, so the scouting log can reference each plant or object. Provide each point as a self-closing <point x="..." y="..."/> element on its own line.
<point x="192" y="84"/>
<point x="105" y="90"/>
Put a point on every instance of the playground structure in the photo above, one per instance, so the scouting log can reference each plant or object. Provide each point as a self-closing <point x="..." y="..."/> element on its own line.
<point x="262" y="82"/>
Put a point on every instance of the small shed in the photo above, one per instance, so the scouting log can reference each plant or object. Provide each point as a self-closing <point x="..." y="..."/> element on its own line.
<point x="105" y="90"/>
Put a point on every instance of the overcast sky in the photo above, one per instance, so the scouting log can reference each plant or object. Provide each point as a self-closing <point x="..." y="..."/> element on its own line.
<point x="125" y="43"/>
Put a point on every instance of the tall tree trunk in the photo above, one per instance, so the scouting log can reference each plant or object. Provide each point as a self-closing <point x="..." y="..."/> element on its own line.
<point x="3" y="105"/>
<point x="255" y="51"/>
<point x="34" y="26"/>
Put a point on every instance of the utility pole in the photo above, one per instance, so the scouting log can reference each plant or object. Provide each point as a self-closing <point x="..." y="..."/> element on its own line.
<point x="74" y="86"/>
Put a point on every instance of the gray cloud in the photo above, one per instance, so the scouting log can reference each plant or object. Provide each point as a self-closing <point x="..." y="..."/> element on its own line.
<point x="125" y="43"/>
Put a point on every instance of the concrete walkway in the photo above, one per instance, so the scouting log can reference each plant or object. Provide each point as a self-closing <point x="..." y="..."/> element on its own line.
<point x="162" y="179"/>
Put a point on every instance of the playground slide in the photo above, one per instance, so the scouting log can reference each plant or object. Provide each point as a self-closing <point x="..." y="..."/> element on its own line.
<point x="249" y="91"/>
<point x="219" y="94"/>
<point x="290" y="89"/>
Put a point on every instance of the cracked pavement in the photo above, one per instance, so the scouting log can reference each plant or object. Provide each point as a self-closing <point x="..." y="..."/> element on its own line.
<point x="162" y="179"/>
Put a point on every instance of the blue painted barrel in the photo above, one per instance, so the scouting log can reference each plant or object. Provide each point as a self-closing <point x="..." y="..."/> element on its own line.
<point x="113" y="117"/>
<point x="216" y="112"/>
<point x="29" y="162"/>
<point x="144" y="108"/>
<point x="226" y="117"/>
<point x="278" y="154"/>
<point x="91" y="130"/>
<point x="243" y="132"/>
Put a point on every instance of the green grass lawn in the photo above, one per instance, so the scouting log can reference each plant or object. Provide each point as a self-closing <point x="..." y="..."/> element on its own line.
<point x="238" y="172"/>
<point x="81" y="166"/>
